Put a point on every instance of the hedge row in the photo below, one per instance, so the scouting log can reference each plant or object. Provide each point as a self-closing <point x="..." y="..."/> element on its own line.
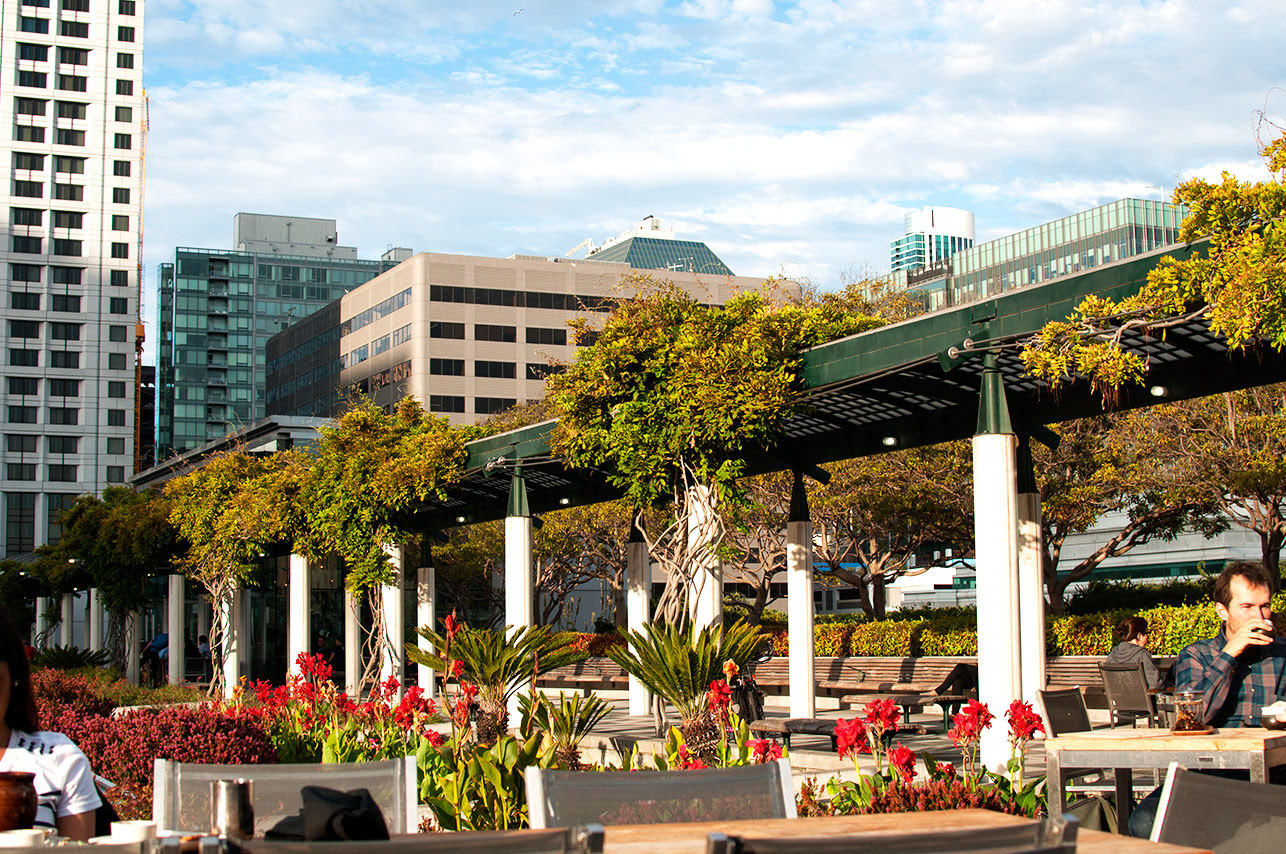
<point x="1170" y="629"/>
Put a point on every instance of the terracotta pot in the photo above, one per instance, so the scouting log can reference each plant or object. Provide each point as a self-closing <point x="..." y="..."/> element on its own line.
<point x="17" y="800"/>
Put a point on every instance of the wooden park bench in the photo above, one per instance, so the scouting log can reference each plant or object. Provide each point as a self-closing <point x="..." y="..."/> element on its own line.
<point x="592" y="674"/>
<point x="784" y="728"/>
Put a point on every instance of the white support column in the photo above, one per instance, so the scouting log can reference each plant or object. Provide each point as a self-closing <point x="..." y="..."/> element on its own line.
<point x="1031" y="595"/>
<point x="233" y="640"/>
<point x="799" y="589"/>
<point x="705" y="596"/>
<point x="638" y="608"/>
<point x="298" y="612"/>
<point x="67" y="619"/>
<point x="176" y="658"/>
<point x="425" y="617"/>
<point x="95" y="620"/>
<point x="520" y="605"/>
<point x="996" y="548"/>
<point x="132" y="650"/>
<point x="352" y="643"/>
<point x="393" y="649"/>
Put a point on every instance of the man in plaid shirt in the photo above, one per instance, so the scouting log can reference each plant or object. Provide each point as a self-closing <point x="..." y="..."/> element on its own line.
<point x="1244" y="667"/>
<point x="1240" y="670"/>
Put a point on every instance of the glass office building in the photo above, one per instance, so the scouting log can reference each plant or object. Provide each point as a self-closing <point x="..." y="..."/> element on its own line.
<point x="931" y="236"/>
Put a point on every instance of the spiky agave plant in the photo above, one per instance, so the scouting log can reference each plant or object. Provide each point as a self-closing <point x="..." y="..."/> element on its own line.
<point x="566" y="722"/>
<point x="679" y="663"/>
<point x="497" y="664"/>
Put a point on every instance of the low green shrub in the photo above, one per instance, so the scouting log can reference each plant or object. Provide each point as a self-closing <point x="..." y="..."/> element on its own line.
<point x="1099" y="596"/>
<point x="832" y="638"/>
<point x="955" y="634"/>
<point x="888" y="637"/>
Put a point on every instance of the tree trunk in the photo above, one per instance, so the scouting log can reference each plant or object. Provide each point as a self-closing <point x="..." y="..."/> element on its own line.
<point x="1270" y="544"/>
<point x="879" y="595"/>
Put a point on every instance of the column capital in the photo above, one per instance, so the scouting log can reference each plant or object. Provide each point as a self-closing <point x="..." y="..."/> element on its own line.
<point x="993" y="408"/>
<point x="518" y="494"/>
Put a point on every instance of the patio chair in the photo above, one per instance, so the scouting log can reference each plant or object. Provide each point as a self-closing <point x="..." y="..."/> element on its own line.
<point x="1225" y="816"/>
<point x="1127" y="694"/>
<point x="559" y="840"/>
<point x="560" y="798"/>
<point x="1064" y="711"/>
<point x="1045" y="837"/>
<point x="181" y="797"/>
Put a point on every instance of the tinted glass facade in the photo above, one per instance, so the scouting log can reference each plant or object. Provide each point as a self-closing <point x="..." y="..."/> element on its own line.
<point x="651" y="253"/>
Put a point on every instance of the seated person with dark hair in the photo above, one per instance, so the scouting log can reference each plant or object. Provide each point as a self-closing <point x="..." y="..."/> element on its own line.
<point x="1132" y="632"/>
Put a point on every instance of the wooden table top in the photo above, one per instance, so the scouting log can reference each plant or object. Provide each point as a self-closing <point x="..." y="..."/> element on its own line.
<point x="1224" y="738"/>
<point x="691" y="838"/>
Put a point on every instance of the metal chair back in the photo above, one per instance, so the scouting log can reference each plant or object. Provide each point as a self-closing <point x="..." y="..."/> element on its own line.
<point x="559" y="840"/>
<point x="181" y="795"/>
<point x="1064" y="711"/>
<point x="562" y="798"/>
<point x="1051" y="836"/>
<point x="1222" y="815"/>
<point x="1126" y="687"/>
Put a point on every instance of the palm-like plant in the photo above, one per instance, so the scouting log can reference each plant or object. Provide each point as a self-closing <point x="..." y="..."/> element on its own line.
<point x="567" y="722"/>
<point x="678" y="664"/>
<point x="497" y="664"/>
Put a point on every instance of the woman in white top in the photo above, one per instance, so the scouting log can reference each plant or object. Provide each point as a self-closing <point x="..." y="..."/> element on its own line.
<point x="64" y="783"/>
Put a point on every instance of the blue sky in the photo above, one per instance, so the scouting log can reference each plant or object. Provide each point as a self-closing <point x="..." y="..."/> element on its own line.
<point x="790" y="137"/>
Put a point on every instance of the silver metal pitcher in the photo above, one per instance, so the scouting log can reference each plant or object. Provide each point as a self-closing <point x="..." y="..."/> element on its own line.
<point x="232" y="808"/>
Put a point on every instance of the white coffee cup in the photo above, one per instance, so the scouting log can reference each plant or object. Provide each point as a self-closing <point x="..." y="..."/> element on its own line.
<point x="134" y="831"/>
<point x="25" y="838"/>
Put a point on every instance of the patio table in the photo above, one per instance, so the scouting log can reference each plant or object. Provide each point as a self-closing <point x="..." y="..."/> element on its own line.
<point x="1253" y="749"/>
<point x="691" y="838"/>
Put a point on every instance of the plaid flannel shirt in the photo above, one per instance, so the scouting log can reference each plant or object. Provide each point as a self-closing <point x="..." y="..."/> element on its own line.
<point x="1235" y="688"/>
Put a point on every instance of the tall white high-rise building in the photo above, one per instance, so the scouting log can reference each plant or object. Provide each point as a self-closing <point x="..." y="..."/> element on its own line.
<point x="931" y="234"/>
<point x="73" y="117"/>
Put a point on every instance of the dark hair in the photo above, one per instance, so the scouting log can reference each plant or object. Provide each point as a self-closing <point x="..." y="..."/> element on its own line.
<point x="21" y="713"/>
<point x="1252" y="572"/>
<point x="1130" y="628"/>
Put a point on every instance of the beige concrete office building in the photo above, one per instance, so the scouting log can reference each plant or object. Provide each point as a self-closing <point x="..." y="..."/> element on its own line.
<point x="468" y="336"/>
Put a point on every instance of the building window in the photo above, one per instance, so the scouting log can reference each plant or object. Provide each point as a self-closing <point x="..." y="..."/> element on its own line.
<point x="446" y="367"/>
<point x="115" y="388"/>
<point x="33" y="25"/>
<point x="24" y="300"/>
<point x="442" y="403"/>
<point x="124" y="60"/>
<point x="587" y="337"/>
<point x="68" y="219"/>
<point x="118" y="305"/>
<point x="22" y="415"/>
<point x="64" y="302"/>
<point x="536" y="335"/>
<point x="116" y="474"/>
<point x="64" y="331"/>
<point x="34" y="79"/>
<point x="120" y="278"/>
<point x="116" y="333"/>
<point x="29" y="189"/>
<point x="73" y="82"/>
<point x="71" y="109"/>
<point x="126" y="7"/>
<point x="486" y="332"/>
<point x="63" y="388"/>
<point x="125" y="34"/>
<point x="33" y="52"/>
<point x="63" y="415"/>
<point x="492" y="405"/>
<point x="28" y="133"/>
<point x="116" y="446"/>
<point x="120" y="222"/>
<point x="69" y="192"/>
<point x="121" y="168"/>
<point x="116" y="418"/>
<point x="70" y="248"/>
<point x="60" y="473"/>
<point x="124" y="87"/>
<point x="64" y="359"/>
<point x="23" y="386"/>
<point x="25" y="273"/>
<point x="63" y="136"/>
<point x="120" y="195"/>
<point x="65" y="275"/>
<point x="444" y="329"/>
<point x="24" y="358"/>
<point x="120" y="250"/>
<point x="56" y="505"/>
<point x="125" y="114"/>
<point x="70" y="165"/>
<point x="539" y="370"/>
<point x="21" y="471"/>
<point x="16" y="443"/>
<point x="27" y="216"/>
<point x="73" y="56"/>
<point x="29" y="106"/>
<point x="64" y="444"/>
<point x="495" y="370"/>
<point x="115" y="361"/>
<point x="24" y="160"/>
<point x="24" y="328"/>
<point x="20" y="522"/>
<point x="123" y="140"/>
<point x="27" y="245"/>
<point x="76" y="5"/>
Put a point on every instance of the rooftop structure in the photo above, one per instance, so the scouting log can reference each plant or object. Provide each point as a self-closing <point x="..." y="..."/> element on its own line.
<point x="650" y="245"/>
<point x="930" y="236"/>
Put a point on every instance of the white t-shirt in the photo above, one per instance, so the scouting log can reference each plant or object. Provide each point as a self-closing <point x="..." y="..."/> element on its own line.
<point x="64" y="783"/>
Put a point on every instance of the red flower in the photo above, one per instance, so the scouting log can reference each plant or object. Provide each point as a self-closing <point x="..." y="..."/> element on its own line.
<point x="1024" y="723"/>
<point x="970" y="722"/>
<point x="764" y="750"/>
<point x="457" y="667"/>
<point x="718" y="698"/>
<point x="882" y="716"/>
<point x="946" y="769"/>
<point x="902" y="761"/>
<point x="452" y="627"/>
<point x="850" y="738"/>
<point x="464" y="702"/>
<point x="689" y="760"/>
<point x="434" y="737"/>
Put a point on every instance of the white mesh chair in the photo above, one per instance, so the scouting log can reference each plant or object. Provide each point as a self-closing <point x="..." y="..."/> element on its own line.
<point x="561" y="840"/>
<point x="1225" y="816"/>
<point x="181" y="797"/>
<point x="564" y="798"/>
<point x="1051" y="836"/>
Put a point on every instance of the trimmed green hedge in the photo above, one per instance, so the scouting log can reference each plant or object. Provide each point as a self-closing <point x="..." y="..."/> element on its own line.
<point x="955" y="632"/>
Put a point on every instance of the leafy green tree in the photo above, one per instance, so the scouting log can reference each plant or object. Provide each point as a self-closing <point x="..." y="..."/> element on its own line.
<point x="1237" y="288"/>
<point x="577" y="545"/>
<point x="673" y="396"/>
<point x="466" y="569"/>
<point x="754" y="553"/>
